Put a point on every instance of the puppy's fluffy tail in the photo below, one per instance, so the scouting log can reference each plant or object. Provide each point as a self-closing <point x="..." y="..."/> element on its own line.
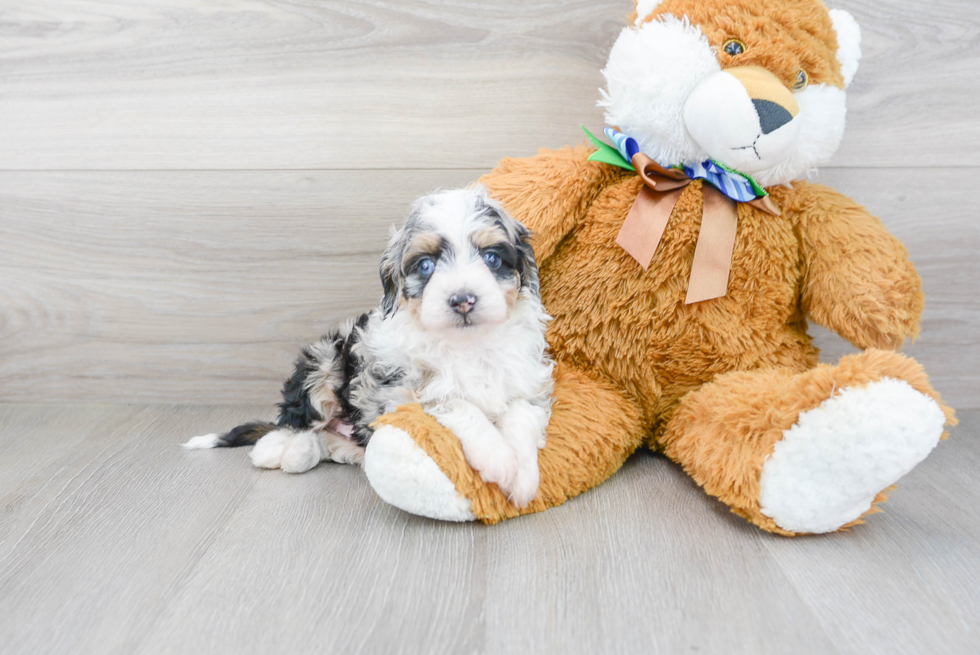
<point x="243" y="435"/>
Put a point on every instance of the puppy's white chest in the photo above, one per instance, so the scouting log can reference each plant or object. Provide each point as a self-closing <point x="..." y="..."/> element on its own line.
<point x="475" y="379"/>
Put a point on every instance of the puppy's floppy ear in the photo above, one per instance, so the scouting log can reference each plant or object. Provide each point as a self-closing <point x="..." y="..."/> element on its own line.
<point x="391" y="271"/>
<point x="520" y="237"/>
<point x="392" y="276"/>
<point x="527" y="266"/>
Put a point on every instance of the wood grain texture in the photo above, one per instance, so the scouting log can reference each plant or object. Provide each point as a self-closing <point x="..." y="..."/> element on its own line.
<point x="107" y="535"/>
<point x="125" y="543"/>
<point x="200" y="287"/>
<point x="191" y="286"/>
<point x="259" y="84"/>
<point x="619" y="570"/>
<point x="189" y="191"/>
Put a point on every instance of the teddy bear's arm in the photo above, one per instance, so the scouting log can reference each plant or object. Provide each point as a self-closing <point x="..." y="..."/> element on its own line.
<point x="857" y="278"/>
<point x="549" y="192"/>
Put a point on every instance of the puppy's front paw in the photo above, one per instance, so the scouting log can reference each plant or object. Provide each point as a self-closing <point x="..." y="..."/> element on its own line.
<point x="267" y="452"/>
<point x="524" y="487"/>
<point x="483" y="446"/>
<point x="496" y="463"/>
<point x="301" y="453"/>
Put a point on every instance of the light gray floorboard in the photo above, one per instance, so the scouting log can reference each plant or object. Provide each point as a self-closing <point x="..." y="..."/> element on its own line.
<point x="320" y="564"/>
<point x="132" y="544"/>
<point x="104" y="541"/>
<point x="644" y="564"/>
<point x="44" y="447"/>
<point x="34" y="436"/>
<point x="165" y="84"/>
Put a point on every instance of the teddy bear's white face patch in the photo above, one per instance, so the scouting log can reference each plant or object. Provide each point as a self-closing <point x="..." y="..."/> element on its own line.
<point x="666" y="89"/>
<point x="644" y="8"/>
<point x="743" y="118"/>
<point x="822" y="116"/>
<point x="649" y="75"/>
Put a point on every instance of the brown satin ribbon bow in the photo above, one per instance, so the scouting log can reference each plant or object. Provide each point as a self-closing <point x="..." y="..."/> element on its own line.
<point x="641" y="233"/>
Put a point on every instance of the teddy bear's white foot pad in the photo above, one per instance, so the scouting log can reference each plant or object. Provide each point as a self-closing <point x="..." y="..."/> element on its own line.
<point x="831" y="464"/>
<point x="406" y="477"/>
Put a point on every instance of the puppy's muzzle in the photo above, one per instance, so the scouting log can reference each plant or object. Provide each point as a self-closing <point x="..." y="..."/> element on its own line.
<point x="462" y="303"/>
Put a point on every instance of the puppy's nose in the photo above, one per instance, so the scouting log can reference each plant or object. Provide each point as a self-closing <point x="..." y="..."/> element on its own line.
<point x="462" y="303"/>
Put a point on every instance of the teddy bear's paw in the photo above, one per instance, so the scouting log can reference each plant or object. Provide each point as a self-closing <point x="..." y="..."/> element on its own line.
<point x="829" y="467"/>
<point x="403" y="475"/>
<point x="301" y="452"/>
<point x="267" y="451"/>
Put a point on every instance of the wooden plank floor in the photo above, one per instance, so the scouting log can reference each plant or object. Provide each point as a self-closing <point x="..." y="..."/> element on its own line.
<point x="114" y="540"/>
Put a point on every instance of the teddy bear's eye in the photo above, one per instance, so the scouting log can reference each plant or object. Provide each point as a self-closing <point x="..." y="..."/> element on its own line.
<point x="733" y="47"/>
<point x="802" y="80"/>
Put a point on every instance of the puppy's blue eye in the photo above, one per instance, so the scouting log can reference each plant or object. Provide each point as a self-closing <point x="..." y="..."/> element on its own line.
<point x="492" y="260"/>
<point x="426" y="267"/>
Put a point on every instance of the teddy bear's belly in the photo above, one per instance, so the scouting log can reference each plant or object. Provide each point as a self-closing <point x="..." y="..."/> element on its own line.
<point x="638" y="331"/>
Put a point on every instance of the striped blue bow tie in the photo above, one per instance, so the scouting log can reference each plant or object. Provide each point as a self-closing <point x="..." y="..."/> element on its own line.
<point x="647" y="219"/>
<point x="737" y="186"/>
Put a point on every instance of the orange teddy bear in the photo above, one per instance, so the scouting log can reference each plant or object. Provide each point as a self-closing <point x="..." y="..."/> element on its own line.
<point x="681" y="264"/>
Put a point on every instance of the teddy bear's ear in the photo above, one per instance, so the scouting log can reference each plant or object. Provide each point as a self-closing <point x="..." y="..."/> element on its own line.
<point x="848" y="43"/>
<point x="643" y="9"/>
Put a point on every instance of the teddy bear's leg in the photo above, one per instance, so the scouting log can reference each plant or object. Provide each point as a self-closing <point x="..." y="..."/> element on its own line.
<point x="408" y="478"/>
<point x="808" y="452"/>
<point x="418" y="465"/>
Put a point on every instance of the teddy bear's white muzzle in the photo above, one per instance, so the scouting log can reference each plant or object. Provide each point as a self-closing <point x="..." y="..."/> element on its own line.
<point x="743" y="118"/>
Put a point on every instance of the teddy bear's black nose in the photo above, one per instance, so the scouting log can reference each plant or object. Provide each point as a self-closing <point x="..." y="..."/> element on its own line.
<point x="771" y="116"/>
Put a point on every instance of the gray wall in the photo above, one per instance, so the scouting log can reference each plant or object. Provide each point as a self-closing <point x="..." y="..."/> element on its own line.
<point x="189" y="191"/>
